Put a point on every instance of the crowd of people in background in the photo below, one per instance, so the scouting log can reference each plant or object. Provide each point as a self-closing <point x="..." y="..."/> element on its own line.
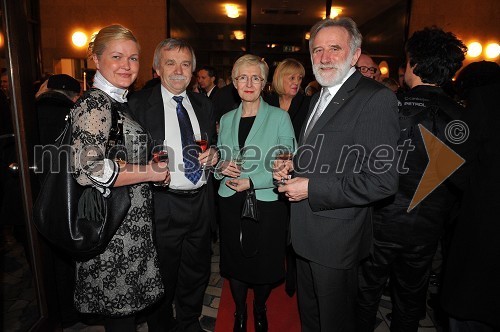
<point x="337" y="236"/>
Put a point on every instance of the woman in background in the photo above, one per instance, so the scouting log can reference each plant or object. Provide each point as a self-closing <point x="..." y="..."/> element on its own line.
<point x="287" y="93"/>
<point x="124" y="279"/>
<point x="252" y="253"/>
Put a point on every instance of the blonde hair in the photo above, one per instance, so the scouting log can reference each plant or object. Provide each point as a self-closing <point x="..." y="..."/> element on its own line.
<point x="286" y="67"/>
<point x="250" y="60"/>
<point x="100" y="40"/>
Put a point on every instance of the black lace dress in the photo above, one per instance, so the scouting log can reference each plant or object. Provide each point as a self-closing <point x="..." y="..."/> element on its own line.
<point x="125" y="278"/>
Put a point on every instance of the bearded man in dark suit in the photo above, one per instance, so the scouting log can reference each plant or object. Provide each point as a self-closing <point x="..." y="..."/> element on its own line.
<point x="184" y="210"/>
<point x="343" y="165"/>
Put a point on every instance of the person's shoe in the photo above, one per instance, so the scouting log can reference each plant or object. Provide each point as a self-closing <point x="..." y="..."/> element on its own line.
<point x="240" y="321"/>
<point x="260" y="318"/>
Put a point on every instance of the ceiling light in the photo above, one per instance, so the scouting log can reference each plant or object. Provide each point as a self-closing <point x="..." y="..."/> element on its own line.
<point x="474" y="49"/>
<point x="492" y="50"/>
<point x="232" y="11"/>
<point x="307" y="36"/>
<point x="239" y="35"/>
<point x="79" y="39"/>
<point x="334" y="12"/>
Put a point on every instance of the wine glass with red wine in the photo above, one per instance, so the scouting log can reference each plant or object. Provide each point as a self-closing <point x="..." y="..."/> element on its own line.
<point x="201" y="139"/>
<point x="285" y="151"/>
<point x="159" y="154"/>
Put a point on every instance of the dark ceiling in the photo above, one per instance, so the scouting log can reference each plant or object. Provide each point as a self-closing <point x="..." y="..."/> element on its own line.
<point x="284" y="12"/>
<point x="283" y="24"/>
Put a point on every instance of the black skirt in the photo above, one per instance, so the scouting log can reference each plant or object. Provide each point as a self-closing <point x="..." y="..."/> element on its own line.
<point x="260" y="257"/>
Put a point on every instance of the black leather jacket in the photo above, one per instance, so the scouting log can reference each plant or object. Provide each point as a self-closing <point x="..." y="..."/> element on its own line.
<point x="432" y="108"/>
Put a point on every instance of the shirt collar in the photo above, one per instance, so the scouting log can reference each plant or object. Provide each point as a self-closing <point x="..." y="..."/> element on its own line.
<point x="333" y="89"/>
<point x="170" y="95"/>
<point x="118" y="94"/>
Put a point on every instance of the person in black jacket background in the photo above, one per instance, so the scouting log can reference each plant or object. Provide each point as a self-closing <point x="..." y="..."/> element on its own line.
<point x="54" y="104"/>
<point x="405" y="242"/>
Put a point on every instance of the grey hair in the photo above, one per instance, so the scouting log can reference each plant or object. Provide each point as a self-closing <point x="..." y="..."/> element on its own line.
<point x="172" y="44"/>
<point x="345" y="22"/>
<point x="250" y="60"/>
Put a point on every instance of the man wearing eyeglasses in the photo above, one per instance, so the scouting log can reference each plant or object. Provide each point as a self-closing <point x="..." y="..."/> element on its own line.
<point x="184" y="211"/>
<point x="368" y="67"/>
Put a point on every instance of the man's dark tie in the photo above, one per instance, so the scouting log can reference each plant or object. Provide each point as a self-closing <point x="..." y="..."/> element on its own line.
<point x="192" y="169"/>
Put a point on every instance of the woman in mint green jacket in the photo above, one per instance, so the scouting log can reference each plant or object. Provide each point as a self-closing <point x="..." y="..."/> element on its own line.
<point x="252" y="253"/>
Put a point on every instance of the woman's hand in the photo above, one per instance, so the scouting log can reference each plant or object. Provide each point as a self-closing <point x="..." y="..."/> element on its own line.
<point x="159" y="173"/>
<point x="238" y="185"/>
<point x="230" y="169"/>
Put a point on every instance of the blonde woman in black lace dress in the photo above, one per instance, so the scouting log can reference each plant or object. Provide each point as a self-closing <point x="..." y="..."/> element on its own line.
<point x="125" y="278"/>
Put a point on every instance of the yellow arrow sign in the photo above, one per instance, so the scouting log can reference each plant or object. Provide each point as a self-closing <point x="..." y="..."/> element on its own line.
<point x="443" y="162"/>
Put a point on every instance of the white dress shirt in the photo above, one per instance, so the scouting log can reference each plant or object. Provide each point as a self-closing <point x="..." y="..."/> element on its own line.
<point x="333" y="91"/>
<point x="173" y="137"/>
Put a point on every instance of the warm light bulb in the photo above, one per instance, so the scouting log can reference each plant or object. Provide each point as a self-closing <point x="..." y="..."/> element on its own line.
<point x="492" y="50"/>
<point x="239" y="35"/>
<point x="384" y="68"/>
<point x="307" y="36"/>
<point x="232" y="11"/>
<point x="79" y="39"/>
<point x="334" y="12"/>
<point x="474" y="49"/>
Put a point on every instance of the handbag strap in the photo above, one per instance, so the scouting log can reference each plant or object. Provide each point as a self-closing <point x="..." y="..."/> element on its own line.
<point x="249" y="191"/>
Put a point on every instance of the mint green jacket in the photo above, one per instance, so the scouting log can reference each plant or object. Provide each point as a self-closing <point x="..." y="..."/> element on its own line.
<point x="260" y="147"/>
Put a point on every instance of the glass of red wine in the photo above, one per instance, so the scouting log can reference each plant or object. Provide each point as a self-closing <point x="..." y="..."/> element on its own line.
<point x="285" y="151"/>
<point x="201" y="139"/>
<point x="159" y="154"/>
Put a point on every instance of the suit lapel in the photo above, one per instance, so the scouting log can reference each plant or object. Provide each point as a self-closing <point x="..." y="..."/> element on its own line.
<point x="335" y="104"/>
<point x="235" y="126"/>
<point x="156" y="114"/>
<point x="199" y="111"/>
<point x="314" y="100"/>
<point x="261" y="117"/>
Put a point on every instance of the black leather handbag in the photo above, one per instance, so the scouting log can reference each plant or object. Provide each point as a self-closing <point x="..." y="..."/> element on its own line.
<point x="250" y="205"/>
<point x="78" y="219"/>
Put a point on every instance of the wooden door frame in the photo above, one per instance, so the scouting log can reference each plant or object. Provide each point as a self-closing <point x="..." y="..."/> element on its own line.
<point x="22" y="59"/>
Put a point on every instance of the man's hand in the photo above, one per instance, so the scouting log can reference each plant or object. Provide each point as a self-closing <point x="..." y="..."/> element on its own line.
<point x="281" y="169"/>
<point x="238" y="184"/>
<point x="209" y="158"/>
<point x="295" y="189"/>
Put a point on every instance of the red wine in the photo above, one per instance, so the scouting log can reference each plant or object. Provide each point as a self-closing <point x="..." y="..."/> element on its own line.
<point x="160" y="156"/>
<point x="203" y="144"/>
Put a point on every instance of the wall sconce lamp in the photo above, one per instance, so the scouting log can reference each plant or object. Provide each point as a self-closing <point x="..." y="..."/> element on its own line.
<point x="384" y="68"/>
<point x="232" y="11"/>
<point x="491" y="51"/>
<point x="79" y="39"/>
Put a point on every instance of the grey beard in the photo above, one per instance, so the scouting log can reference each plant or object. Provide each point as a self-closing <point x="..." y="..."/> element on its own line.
<point x="341" y="72"/>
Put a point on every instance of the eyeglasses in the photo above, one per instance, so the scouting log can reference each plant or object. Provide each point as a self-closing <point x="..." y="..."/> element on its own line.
<point x="365" y="69"/>
<point x="244" y="79"/>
